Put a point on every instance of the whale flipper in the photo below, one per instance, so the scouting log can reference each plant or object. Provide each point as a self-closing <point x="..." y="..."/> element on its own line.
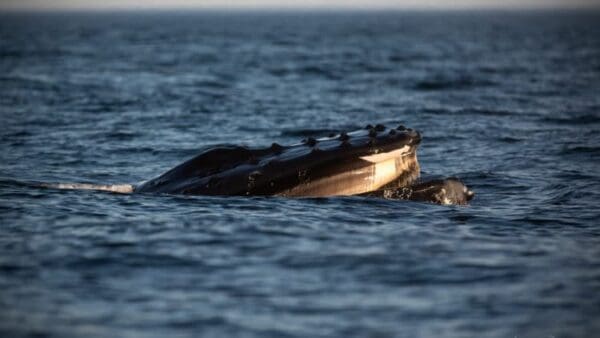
<point x="116" y="188"/>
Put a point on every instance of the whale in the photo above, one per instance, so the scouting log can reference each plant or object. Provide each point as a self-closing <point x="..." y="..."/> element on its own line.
<point x="351" y="163"/>
<point x="374" y="161"/>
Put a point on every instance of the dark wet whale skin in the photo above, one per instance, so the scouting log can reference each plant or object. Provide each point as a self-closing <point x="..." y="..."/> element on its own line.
<point x="444" y="191"/>
<point x="238" y="170"/>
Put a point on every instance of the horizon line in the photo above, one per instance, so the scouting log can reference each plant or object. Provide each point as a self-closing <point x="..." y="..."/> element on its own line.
<point x="410" y="5"/>
<point x="267" y="9"/>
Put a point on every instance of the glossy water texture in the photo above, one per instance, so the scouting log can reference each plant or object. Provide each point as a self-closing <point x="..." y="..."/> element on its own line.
<point x="508" y="102"/>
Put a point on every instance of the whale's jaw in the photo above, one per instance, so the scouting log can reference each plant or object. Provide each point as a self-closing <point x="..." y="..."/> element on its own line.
<point x="365" y="174"/>
<point x="344" y="164"/>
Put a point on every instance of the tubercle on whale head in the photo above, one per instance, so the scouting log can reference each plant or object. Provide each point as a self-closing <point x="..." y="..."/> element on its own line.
<point x="276" y="148"/>
<point x="311" y="141"/>
<point x="374" y="139"/>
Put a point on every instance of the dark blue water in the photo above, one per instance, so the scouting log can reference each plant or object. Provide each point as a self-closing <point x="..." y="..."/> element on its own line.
<point x="509" y="102"/>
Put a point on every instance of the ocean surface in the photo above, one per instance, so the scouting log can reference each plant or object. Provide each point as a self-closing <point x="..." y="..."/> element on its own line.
<point x="509" y="102"/>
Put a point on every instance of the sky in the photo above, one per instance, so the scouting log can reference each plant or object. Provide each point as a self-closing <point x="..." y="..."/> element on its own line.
<point x="289" y="4"/>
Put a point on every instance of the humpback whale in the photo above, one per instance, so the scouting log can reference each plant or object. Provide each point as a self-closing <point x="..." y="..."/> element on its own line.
<point x="374" y="161"/>
<point x="345" y="164"/>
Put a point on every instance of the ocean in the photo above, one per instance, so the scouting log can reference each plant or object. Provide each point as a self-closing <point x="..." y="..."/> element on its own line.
<point x="507" y="101"/>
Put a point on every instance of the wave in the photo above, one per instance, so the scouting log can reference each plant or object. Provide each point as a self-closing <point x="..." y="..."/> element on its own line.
<point x="446" y="83"/>
<point x="573" y="120"/>
<point x="470" y="111"/>
<point x="576" y="150"/>
<point x="319" y="71"/>
<point x="312" y="132"/>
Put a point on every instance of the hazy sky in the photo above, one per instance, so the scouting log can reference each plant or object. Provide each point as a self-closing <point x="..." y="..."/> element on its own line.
<point x="250" y="4"/>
